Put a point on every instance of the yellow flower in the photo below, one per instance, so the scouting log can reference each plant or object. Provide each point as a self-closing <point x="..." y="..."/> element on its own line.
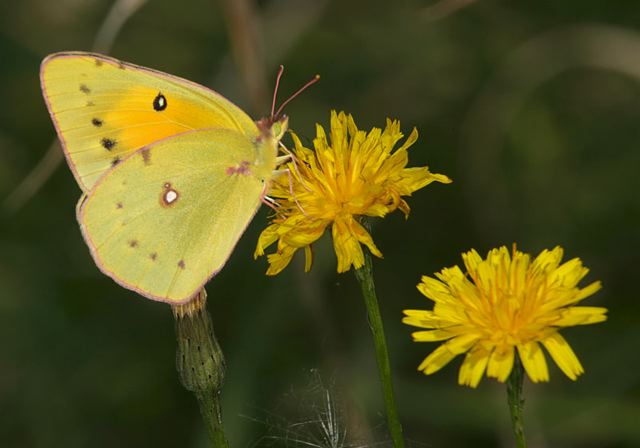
<point x="350" y="174"/>
<point x="505" y="302"/>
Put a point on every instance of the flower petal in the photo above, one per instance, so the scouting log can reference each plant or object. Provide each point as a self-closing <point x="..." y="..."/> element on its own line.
<point x="434" y="289"/>
<point x="501" y="363"/>
<point x="473" y="366"/>
<point x="436" y="360"/>
<point x="533" y="361"/>
<point x="279" y="260"/>
<point x="563" y="355"/>
<point x="581" y="315"/>
<point x="420" y="318"/>
<point x="431" y="336"/>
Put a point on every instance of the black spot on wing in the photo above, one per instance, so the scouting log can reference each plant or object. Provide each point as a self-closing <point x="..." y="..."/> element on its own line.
<point x="115" y="161"/>
<point x="159" y="102"/>
<point x="108" y="143"/>
<point x="97" y="122"/>
<point x="85" y="89"/>
<point x="181" y="264"/>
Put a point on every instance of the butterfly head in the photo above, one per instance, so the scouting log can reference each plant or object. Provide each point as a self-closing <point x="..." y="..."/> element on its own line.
<point x="273" y="128"/>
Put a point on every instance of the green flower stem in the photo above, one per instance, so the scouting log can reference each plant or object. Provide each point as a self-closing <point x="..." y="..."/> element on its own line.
<point x="365" y="277"/>
<point x="516" y="401"/>
<point x="200" y="363"/>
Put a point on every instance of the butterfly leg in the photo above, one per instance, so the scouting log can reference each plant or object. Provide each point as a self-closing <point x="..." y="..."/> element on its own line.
<point x="291" y="192"/>
<point x="289" y="156"/>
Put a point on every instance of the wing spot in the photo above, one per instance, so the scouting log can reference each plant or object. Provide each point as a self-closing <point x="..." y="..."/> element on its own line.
<point x="153" y="256"/>
<point x="169" y="195"/>
<point x="98" y="62"/>
<point x="242" y="169"/>
<point x="85" y="89"/>
<point x="181" y="264"/>
<point x="159" y="102"/>
<point x="115" y="161"/>
<point x="146" y="156"/>
<point x="97" y="122"/>
<point x="119" y="205"/>
<point x="108" y="143"/>
<point x="133" y="243"/>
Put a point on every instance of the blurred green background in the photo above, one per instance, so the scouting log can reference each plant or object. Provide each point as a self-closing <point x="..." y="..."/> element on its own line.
<point x="533" y="108"/>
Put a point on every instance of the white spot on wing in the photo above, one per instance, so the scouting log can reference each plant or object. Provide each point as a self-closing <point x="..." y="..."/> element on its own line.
<point x="170" y="196"/>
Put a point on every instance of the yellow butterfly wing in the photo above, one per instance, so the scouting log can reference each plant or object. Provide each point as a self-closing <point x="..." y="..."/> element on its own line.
<point x="165" y="220"/>
<point x="104" y="109"/>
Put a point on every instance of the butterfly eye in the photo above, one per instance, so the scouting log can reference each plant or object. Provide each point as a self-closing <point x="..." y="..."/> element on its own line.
<point x="159" y="102"/>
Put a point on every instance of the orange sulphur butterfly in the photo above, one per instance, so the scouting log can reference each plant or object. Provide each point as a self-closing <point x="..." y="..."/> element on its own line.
<point x="171" y="172"/>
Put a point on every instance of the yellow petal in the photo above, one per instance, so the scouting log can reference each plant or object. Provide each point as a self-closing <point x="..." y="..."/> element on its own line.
<point x="563" y="355"/>
<point x="471" y="261"/>
<point x="267" y="237"/>
<point x="581" y="315"/>
<point x="462" y="343"/>
<point x="363" y="236"/>
<point x="413" y="137"/>
<point x="434" y="289"/>
<point x="436" y="360"/>
<point x="421" y="318"/>
<point x="303" y="235"/>
<point x="473" y="366"/>
<point x="547" y="259"/>
<point x="569" y="273"/>
<point x="308" y="258"/>
<point x="587" y="291"/>
<point x="348" y="250"/>
<point x="533" y="361"/>
<point x="501" y="363"/>
<point x="279" y="260"/>
<point x="431" y="336"/>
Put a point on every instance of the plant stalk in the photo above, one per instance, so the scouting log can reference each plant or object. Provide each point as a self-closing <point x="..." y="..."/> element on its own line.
<point x="516" y="401"/>
<point x="365" y="278"/>
<point x="200" y="363"/>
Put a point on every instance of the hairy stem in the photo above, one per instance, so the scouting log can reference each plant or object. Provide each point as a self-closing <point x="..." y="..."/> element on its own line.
<point x="516" y="402"/>
<point x="365" y="277"/>
<point x="200" y="363"/>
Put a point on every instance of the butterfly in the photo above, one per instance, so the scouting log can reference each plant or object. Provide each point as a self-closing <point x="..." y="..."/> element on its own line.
<point x="171" y="171"/>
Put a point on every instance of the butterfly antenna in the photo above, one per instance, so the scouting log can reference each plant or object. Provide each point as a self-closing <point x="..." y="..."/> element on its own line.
<point x="275" y="90"/>
<point x="314" y="80"/>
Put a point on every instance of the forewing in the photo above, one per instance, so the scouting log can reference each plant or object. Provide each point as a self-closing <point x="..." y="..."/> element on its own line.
<point x="105" y="109"/>
<point x="166" y="219"/>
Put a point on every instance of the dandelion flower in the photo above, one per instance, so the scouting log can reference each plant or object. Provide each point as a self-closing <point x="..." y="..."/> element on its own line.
<point x="505" y="302"/>
<point x="350" y="174"/>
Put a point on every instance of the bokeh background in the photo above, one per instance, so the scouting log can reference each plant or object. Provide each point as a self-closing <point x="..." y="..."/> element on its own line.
<point x="533" y="108"/>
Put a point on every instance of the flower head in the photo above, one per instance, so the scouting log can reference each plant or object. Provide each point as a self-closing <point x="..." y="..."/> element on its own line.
<point x="350" y="174"/>
<point x="505" y="301"/>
